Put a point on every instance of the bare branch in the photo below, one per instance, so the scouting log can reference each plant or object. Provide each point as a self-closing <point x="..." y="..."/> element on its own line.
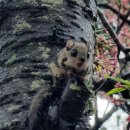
<point x="113" y="35"/>
<point x="106" y="6"/>
<point x="100" y="121"/>
<point x="110" y="30"/>
<point x="123" y="22"/>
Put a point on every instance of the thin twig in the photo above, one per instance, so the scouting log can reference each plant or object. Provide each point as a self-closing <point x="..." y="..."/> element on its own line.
<point x="118" y="16"/>
<point x="123" y="22"/>
<point x="106" y="108"/>
<point x="106" y="6"/>
<point x="110" y="30"/>
<point x="114" y="36"/>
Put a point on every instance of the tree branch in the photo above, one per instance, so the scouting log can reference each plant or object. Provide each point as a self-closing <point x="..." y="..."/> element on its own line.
<point x="106" y="6"/>
<point x="100" y="121"/>
<point x="123" y="22"/>
<point x="113" y="35"/>
<point x="110" y="30"/>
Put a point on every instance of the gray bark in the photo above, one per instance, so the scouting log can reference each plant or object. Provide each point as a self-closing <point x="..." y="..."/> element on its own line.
<point x="31" y="33"/>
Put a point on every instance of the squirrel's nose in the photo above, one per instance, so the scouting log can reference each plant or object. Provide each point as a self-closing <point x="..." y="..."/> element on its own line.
<point x="82" y="59"/>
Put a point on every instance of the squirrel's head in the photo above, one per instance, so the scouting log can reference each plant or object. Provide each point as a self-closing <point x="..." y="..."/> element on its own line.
<point x="77" y="55"/>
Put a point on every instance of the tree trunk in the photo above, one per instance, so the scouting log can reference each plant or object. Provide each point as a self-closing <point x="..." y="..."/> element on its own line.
<point x="31" y="32"/>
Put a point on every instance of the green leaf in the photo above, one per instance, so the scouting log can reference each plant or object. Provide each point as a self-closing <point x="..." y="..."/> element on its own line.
<point x="126" y="86"/>
<point x="118" y="2"/>
<point x="75" y="87"/>
<point x="115" y="90"/>
<point x="120" y="80"/>
<point x="127" y="82"/>
<point x="11" y="60"/>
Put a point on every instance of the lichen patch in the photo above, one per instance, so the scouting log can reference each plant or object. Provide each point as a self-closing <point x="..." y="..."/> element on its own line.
<point x="21" y="25"/>
<point x="37" y="84"/>
<point x="53" y="2"/>
<point x="45" y="52"/>
<point x="11" y="60"/>
<point x="31" y="2"/>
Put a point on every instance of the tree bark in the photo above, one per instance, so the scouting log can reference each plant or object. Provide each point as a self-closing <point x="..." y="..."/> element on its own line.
<point x="31" y="33"/>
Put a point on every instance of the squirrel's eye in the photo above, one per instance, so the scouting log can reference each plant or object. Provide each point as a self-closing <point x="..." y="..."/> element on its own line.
<point x="74" y="53"/>
<point x="88" y="54"/>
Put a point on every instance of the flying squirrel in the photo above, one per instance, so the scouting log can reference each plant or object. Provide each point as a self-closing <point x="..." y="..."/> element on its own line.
<point x="72" y="60"/>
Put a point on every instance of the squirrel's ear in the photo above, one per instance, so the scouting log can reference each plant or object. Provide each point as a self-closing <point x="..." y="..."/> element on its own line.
<point x="69" y="44"/>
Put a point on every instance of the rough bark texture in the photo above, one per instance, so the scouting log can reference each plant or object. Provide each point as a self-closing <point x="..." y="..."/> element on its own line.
<point x="31" y="32"/>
